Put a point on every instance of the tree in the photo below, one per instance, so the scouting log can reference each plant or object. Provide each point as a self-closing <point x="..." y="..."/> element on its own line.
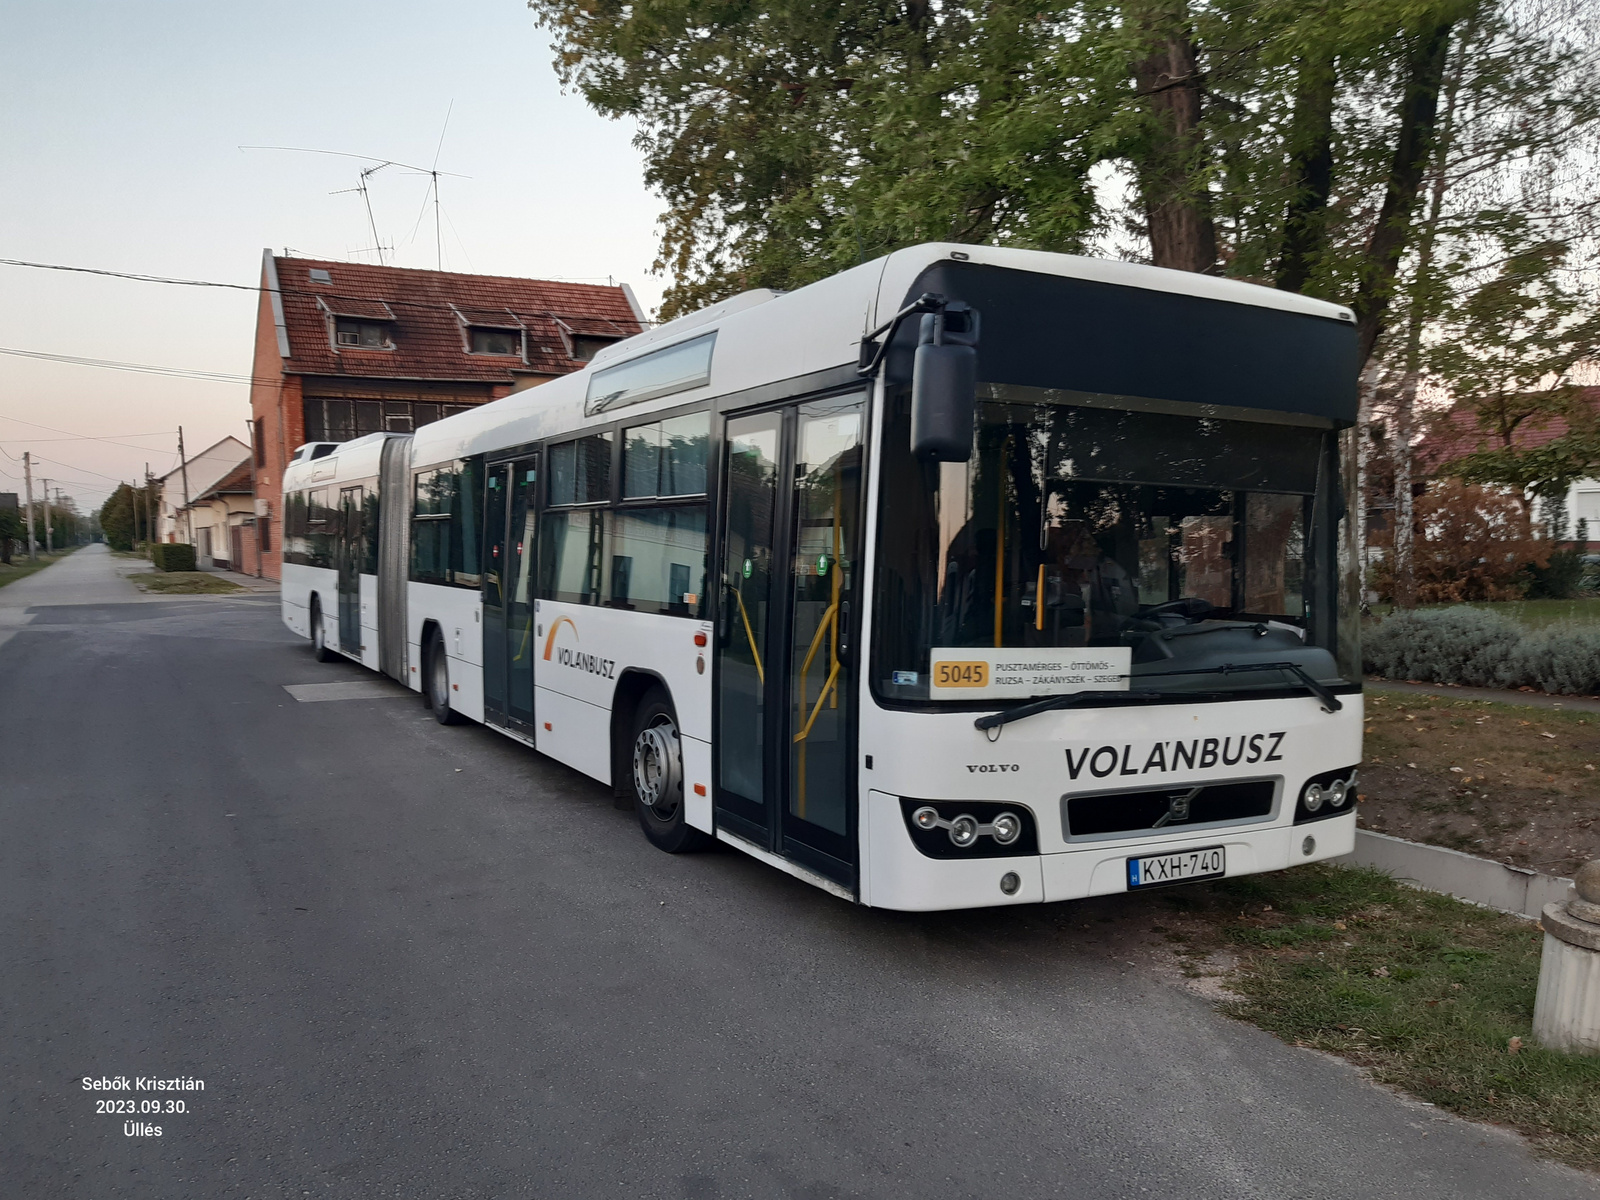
<point x="116" y="518"/>
<point x="12" y="529"/>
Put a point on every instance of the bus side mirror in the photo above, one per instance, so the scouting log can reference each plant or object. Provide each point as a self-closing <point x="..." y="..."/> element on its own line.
<point x="944" y="385"/>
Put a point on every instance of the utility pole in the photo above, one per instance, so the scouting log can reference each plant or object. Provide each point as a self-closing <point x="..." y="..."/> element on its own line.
<point x="49" y="542"/>
<point x="183" y="463"/>
<point x="149" y="521"/>
<point x="255" y="528"/>
<point x="27" y="477"/>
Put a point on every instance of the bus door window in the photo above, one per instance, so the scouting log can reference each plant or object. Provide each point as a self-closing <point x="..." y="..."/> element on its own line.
<point x="521" y="554"/>
<point x="826" y="499"/>
<point x="496" y="487"/>
<point x="749" y="516"/>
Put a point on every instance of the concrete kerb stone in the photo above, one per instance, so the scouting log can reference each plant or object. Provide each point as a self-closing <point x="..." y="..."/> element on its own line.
<point x="1482" y="881"/>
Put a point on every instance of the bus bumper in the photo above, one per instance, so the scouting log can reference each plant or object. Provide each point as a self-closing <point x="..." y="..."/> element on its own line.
<point x="899" y="876"/>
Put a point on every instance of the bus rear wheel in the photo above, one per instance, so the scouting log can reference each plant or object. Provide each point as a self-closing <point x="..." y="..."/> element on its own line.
<point x="656" y="777"/>
<point x="319" y="633"/>
<point x="436" y="681"/>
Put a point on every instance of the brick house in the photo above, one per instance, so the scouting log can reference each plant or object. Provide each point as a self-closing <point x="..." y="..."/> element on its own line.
<point x="347" y="349"/>
<point x="1456" y="433"/>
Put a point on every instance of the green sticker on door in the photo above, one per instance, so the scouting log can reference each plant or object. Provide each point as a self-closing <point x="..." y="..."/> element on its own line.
<point x="749" y="568"/>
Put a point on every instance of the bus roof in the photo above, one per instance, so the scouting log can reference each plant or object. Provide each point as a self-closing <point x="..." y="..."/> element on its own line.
<point x="766" y="337"/>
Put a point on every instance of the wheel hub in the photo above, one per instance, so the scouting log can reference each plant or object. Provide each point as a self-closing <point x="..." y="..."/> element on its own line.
<point x="657" y="772"/>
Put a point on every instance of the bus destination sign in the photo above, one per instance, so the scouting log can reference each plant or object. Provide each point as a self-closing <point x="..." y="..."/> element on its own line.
<point x="972" y="673"/>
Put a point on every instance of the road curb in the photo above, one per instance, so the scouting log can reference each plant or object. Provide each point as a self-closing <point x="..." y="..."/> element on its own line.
<point x="1481" y="881"/>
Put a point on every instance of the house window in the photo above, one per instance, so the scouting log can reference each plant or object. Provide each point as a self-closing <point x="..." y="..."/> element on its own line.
<point x="366" y="335"/>
<point x="260" y="440"/>
<point x="320" y="275"/>
<point x="497" y="341"/>
<point x="585" y="348"/>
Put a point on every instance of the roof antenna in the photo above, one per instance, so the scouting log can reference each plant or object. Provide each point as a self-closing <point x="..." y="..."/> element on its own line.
<point x="438" y="241"/>
<point x="378" y="164"/>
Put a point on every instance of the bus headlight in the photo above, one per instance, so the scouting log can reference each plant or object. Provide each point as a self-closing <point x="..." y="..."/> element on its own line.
<point x="964" y="830"/>
<point x="926" y="817"/>
<point x="1327" y="795"/>
<point x="1006" y="828"/>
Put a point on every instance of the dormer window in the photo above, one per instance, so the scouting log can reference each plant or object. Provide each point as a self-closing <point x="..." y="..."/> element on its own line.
<point x="358" y="324"/>
<point x="497" y="331"/>
<point x="368" y="335"/>
<point x="496" y="341"/>
<point x="586" y="336"/>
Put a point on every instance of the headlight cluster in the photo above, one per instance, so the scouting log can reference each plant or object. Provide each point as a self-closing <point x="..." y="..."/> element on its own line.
<point x="970" y="828"/>
<point x="966" y="829"/>
<point x="1328" y="795"/>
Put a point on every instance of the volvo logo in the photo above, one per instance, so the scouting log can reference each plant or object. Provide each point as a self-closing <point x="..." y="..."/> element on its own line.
<point x="1177" y="807"/>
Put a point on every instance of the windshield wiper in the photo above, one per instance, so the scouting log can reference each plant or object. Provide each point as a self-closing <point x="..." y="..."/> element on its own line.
<point x="1073" y="699"/>
<point x="1260" y="628"/>
<point x="1330" y="702"/>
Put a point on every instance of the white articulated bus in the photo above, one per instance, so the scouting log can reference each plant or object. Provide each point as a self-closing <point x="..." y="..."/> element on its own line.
<point x="965" y="577"/>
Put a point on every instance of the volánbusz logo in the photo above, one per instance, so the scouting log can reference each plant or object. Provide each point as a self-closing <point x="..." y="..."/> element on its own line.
<point x="577" y="660"/>
<point x="1164" y="757"/>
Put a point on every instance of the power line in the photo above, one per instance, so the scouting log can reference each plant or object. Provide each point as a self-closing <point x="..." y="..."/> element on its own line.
<point x="282" y="291"/>
<point x="88" y="436"/>
<point x="141" y="368"/>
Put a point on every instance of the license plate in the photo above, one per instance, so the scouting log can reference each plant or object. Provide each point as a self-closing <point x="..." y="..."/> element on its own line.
<point x="1178" y="867"/>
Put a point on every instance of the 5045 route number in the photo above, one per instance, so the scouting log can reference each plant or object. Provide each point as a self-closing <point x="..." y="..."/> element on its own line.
<point x="961" y="674"/>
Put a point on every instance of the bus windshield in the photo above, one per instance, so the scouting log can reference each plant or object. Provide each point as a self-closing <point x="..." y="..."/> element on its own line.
<point x="1093" y="521"/>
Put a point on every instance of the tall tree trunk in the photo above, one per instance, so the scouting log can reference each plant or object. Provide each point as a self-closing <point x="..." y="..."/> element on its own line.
<point x="1413" y="147"/>
<point x="1422" y="308"/>
<point x="1311" y="174"/>
<point x="1367" y="392"/>
<point x="1171" y="178"/>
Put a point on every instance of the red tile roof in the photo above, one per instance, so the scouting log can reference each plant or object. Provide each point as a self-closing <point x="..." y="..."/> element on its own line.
<point x="428" y="311"/>
<point x="1458" y="433"/>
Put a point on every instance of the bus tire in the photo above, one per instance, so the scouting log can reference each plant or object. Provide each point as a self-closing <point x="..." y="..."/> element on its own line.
<point x="655" y="765"/>
<point x="320" y="650"/>
<point x="436" y="681"/>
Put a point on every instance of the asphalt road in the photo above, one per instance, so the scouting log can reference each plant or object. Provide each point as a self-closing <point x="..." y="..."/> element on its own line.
<point x="417" y="961"/>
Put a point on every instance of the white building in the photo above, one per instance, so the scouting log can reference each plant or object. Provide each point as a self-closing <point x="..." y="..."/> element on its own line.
<point x="204" y="471"/>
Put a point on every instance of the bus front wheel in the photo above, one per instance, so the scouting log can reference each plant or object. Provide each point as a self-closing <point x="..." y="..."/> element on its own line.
<point x="436" y="668"/>
<point x="319" y="633"/>
<point x="656" y="777"/>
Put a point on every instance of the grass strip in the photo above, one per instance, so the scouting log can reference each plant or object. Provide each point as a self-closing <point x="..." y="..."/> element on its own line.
<point x="1430" y="995"/>
<point x="185" y="583"/>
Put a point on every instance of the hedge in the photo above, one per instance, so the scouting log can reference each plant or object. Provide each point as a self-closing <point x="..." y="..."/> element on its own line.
<point x="1480" y="648"/>
<point x="172" y="556"/>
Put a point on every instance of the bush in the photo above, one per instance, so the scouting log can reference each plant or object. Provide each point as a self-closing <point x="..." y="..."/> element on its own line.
<point x="172" y="556"/>
<point x="1449" y="645"/>
<point x="1560" y="579"/>
<point x="1564" y="659"/>
<point x="1472" y="543"/>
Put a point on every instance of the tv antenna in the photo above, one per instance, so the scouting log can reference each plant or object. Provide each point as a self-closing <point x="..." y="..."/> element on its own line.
<point x="377" y="164"/>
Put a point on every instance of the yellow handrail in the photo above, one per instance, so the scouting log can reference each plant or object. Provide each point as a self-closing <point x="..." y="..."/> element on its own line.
<point x="830" y="617"/>
<point x="749" y="633"/>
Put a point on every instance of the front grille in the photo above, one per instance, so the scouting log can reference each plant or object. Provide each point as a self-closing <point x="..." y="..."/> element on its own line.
<point x="1180" y="807"/>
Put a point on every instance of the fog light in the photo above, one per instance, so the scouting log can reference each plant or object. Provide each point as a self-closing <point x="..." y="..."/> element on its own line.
<point x="1336" y="793"/>
<point x="964" y="831"/>
<point x="1006" y="828"/>
<point x="1308" y="847"/>
<point x="1010" y="883"/>
<point x="1313" y="798"/>
<point x="926" y="817"/>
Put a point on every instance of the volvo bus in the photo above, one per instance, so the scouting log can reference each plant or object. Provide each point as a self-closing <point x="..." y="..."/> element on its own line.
<point x="968" y="576"/>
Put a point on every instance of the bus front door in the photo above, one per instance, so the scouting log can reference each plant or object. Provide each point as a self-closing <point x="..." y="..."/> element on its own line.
<point x="351" y="552"/>
<point x="785" y="737"/>
<point x="508" y="642"/>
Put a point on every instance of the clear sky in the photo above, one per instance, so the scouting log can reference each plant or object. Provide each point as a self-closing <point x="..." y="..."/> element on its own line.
<point x="120" y="128"/>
